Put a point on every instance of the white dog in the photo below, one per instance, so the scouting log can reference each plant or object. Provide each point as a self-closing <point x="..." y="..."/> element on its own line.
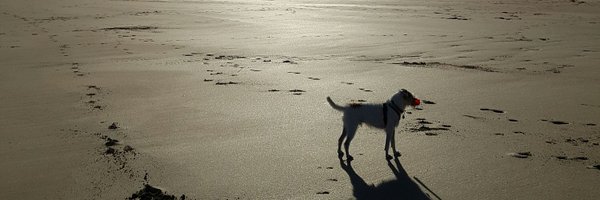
<point x="384" y="116"/>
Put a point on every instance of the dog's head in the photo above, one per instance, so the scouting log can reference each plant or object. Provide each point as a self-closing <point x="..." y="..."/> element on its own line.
<point x="406" y="98"/>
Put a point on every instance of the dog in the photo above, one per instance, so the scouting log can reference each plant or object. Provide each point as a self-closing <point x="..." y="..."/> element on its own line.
<point x="383" y="116"/>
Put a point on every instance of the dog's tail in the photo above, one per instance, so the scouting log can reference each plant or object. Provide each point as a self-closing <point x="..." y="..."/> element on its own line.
<point x="333" y="105"/>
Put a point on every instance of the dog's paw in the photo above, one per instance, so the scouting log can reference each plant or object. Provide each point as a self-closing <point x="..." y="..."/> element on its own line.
<point x="388" y="157"/>
<point x="349" y="158"/>
<point x="397" y="154"/>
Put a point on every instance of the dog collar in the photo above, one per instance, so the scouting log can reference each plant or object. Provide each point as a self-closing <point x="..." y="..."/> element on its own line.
<point x="395" y="107"/>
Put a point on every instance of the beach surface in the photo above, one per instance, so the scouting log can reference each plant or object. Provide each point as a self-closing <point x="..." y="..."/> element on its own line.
<point x="226" y="99"/>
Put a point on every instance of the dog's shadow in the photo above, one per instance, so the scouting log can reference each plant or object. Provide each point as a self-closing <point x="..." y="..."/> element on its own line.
<point x="400" y="188"/>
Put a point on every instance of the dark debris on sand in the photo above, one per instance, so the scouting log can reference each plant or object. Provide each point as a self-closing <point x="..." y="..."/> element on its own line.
<point x="152" y="193"/>
<point x="113" y="126"/>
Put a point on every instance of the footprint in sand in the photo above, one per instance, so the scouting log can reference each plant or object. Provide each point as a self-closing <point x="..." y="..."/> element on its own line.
<point x="227" y="83"/>
<point x="550" y="141"/>
<point x="297" y="91"/>
<point x="365" y="90"/>
<point x="473" y="117"/>
<point x="110" y="142"/>
<point x="113" y="126"/>
<point x="492" y="110"/>
<point x="358" y="101"/>
<point x="423" y="121"/>
<point x="577" y="141"/>
<point x="559" y="122"/>
<point x="555" y="122"/>
<point x="289" y="62"/>
<point x="594" y="167"/>
<point x="523" y="154"/>
<point x="428" y="102"/>
<point x="577" y="158"/>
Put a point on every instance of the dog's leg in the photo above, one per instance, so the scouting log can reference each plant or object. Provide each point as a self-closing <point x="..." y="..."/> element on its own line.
<point x="388" y="139"/>
<point x="396" y="152"/>
<point x="350" y="132"/>
<point x="340" y="153"/>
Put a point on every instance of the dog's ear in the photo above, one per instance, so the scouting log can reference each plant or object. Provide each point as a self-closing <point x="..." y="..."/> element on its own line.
<point x="404" y="93"/>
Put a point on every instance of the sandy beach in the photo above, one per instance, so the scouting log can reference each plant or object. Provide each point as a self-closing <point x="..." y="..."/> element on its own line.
<point x="194" y="99"/>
